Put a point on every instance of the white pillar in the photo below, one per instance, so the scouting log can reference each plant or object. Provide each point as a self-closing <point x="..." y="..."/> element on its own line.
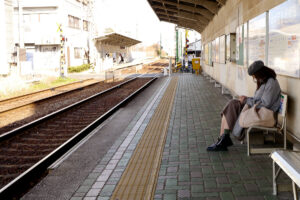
<point x="4" y="67"/>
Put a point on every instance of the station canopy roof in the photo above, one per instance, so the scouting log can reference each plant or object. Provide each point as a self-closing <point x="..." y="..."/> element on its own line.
<point x="116" y="39"/>
<point x="192" y="14"/>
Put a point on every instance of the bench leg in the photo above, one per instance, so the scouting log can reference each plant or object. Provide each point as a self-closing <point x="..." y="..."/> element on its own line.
<point x="248" y="142"/>
<point x="274" y="179"/>
<point x="295" y="192"/>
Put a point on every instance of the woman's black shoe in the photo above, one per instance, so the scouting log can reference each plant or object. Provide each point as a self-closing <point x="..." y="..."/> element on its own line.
<point x="227" y="140"/>
<point x="223" y="142"/>
<point x="218" y="146"/>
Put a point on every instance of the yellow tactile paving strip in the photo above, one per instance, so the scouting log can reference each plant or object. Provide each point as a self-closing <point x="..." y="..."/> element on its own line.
<point x="139" y="178"/>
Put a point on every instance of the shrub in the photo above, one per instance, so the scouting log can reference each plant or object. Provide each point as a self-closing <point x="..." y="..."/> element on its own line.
<point x="79" y="68"/>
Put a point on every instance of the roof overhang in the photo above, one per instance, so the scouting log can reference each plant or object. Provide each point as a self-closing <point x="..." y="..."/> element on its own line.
<point x="192" y="14"/>
<point x="115" y="39"/>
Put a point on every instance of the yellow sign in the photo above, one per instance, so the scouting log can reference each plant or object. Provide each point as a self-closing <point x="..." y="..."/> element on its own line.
<point x="196" y="63"/>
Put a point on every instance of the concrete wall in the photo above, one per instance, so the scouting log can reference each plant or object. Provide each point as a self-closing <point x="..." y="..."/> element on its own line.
<point x="235" y="77"/>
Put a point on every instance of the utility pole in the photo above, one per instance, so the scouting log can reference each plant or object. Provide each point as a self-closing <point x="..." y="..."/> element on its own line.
<point x="160" y="45"/>
<point x="177" y="53"/>
<point x="92" y="32"/>
<point x="62" y="51"/>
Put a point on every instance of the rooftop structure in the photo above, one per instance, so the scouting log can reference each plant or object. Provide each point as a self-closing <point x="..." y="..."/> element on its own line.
<point x="116" y="39"/>
<point x="187" y="13"/>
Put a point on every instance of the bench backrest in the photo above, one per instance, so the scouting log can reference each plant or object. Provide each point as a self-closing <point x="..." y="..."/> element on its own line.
<point x="283" y="104"/>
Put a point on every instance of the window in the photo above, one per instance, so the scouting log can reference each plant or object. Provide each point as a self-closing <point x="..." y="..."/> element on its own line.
<point x="210" y="53"/>
<point x="257" y="39"/>
<point x="222" y="49"/>
<point x="217" y="50"/>
<point x="240" y="45"/>
<point x="74" y="22"/>
<point x="230" y="47"/>
<point x="77" y="53"/>
<point x="284" y="38"/>
<point x="85" y="25"/>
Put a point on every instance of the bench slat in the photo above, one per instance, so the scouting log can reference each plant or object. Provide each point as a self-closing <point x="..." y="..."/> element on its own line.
<point x="289" y="162"/>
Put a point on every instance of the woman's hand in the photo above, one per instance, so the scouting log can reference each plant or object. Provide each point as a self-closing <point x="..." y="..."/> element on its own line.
<point x="242" y="99"/>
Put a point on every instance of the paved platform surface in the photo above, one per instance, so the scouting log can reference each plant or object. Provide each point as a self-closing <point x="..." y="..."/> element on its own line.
<point x="187" y="170"/>
<point x="77" y="170"/>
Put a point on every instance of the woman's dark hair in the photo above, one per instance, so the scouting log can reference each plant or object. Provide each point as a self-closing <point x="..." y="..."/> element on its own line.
<point x="263" y="75"/>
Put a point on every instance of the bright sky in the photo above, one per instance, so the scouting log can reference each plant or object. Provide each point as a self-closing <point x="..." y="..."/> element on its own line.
<point x="134" y="18"/>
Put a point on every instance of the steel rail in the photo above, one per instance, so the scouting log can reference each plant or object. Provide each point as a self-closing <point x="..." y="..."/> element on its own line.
<point x="13" y="132"/>
<point x="40" y="91"/>
<point x="36" y="170"/>
<point x="49" y="97"/>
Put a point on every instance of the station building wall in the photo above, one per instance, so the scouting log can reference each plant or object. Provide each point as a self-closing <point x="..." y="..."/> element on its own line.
<point x="234" y="76"/>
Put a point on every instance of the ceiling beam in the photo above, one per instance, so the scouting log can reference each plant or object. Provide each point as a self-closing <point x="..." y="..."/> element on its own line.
<point x="180" y="17"/>
<point x="222" y="2"/>
<point x="202" y="11"/>
<point x="183" y="24"/>
<point x="186" y="15"/>
<point x="196" y="17"/>
<point x="211" y="6"/>
<point x="191" y="23"/>
<point x="190" y="26"/>
<point x="163" y="5"/>
<point x="206" y="13"/>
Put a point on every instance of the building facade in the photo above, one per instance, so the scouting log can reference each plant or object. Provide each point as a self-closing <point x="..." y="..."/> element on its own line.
<point x="6" y="39"/>
<point x="44" y="26"/>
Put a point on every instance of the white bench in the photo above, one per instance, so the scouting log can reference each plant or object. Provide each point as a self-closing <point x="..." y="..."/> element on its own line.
<point x="276" y="129"/>
<point x="289" y="162"/>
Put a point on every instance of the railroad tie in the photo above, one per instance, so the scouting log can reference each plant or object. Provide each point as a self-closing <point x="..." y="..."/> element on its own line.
<point x="140" y="176"/>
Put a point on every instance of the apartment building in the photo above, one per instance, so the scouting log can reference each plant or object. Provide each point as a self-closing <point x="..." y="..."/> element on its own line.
<point x="6" y="39"/>
<point x="39" y="32"/>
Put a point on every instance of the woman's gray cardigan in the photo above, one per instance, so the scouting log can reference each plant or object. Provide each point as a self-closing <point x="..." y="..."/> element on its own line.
<point x="268" y="96"/>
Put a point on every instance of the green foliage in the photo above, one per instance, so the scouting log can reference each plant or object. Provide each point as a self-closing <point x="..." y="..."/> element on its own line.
<point x="53" y="83"/>
<point x="62" y="81"/>
<point x="79" y="68"/>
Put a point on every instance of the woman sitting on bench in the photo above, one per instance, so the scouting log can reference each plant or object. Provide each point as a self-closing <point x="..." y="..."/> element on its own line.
<point x="267" y="95"/>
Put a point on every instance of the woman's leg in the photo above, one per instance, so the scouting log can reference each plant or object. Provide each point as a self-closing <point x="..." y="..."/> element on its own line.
<point x="224" y="140"/>
<point x="224" y="125"/>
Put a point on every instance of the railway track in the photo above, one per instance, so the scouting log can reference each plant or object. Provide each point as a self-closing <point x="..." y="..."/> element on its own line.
<point x="33" y="106"/>
<point x="17" y="111"/>
<point x="26" y="152"/>
<point x="14" y="102"/>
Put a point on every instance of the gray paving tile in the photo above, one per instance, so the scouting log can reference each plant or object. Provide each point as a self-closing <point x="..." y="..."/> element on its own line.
<point x="194" y="125"/>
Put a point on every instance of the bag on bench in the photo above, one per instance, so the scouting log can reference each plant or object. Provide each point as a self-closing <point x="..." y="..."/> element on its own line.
<point x="256" y="117"/>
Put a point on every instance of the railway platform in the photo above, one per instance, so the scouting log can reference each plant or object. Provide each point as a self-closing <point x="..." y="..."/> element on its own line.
<point x="155" y="147"/>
